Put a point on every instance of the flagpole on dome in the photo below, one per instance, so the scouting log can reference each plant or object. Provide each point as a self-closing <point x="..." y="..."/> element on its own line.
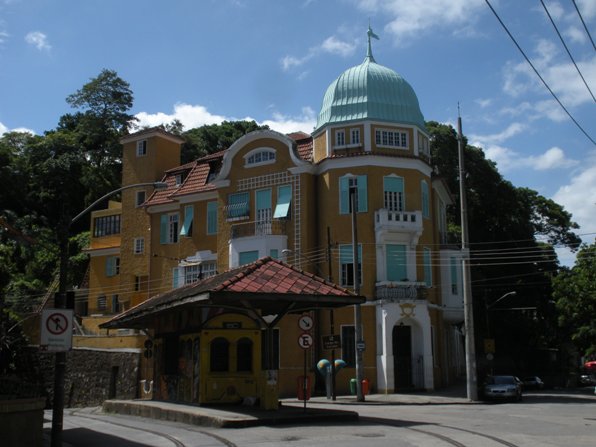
<point x="370" y="34"/>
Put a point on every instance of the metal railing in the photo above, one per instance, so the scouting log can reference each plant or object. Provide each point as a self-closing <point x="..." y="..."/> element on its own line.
<point x="258" y="228"/>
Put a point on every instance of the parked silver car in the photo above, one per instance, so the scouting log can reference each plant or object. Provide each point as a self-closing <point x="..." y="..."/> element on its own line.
<point x="502" y="388"/>
<point x="532" y="383"/>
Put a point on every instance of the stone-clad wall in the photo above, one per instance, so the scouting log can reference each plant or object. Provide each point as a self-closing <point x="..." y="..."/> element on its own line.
<point x="93" y="375"/>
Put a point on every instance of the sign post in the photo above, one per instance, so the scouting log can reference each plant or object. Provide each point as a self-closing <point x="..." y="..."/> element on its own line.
<point x="305" y="341"/>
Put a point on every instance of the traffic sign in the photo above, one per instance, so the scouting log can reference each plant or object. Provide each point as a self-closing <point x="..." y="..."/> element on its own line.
<point x="305" y="322"/>
<point x="56" y="329"/>
<point x="331" y="342"/>
<point x="360" y="346"/>
<point x="305" y="340"/>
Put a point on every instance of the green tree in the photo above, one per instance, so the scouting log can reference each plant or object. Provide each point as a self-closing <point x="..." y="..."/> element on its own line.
<point x="212" y="138"/>
<point x="504" y="225"/>
<point x="575" y="298"/>
<point x="103" y="118"/>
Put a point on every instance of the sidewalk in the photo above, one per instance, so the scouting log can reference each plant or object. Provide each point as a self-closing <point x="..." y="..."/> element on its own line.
<point x="291" y="410"/>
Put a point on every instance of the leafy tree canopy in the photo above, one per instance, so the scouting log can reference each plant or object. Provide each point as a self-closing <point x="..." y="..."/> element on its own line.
<point x="212" y="138"/>
<point x="575" y="297"/>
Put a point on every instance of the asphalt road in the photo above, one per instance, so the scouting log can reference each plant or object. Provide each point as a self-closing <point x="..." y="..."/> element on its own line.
<point x="542" y="419"/>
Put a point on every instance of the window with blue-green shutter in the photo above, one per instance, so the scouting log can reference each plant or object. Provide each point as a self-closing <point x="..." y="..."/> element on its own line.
<point x="274" y="253"/>
<point x="345" y="183"/>
<point x="284" y="198"/>
<point x="238" y="205"/>
<point x="211" y="217"/>
<point x="112" y="266"/>
<point x="428" y="271"/>
<point x="168" y="231"/>
<point x="188" y="219"/>
<point x="346" y="265"/>
<point x="425" y="199"/>
<point x="397" y="267"/>
<point x="246" y="257"/>
<point x="393" y="193"/>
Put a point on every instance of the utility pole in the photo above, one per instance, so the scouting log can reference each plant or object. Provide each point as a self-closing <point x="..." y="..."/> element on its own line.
<point x="60" y="356"/>
<point x="60" y="362"/>
<point x="357" y="309"/>
<point x="471" y="382"/>
<point x="331" y="316"/>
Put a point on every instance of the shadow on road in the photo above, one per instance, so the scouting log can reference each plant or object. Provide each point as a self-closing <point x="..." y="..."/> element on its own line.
<point x="91" y="438"/>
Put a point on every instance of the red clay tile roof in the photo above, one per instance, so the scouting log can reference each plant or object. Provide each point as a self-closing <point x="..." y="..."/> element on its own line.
<point x="268" y="284"/>
<point x="296" y="136"/>
<point x="305" y="149"/>
<point x="196" y="179"/>
<point x="162" y="196"/>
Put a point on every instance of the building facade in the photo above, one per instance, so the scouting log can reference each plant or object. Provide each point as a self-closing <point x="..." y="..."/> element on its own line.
<point x="288" y="197"/>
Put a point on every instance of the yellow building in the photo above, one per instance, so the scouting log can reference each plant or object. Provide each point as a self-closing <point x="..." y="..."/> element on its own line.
<point x="288" y="197"/>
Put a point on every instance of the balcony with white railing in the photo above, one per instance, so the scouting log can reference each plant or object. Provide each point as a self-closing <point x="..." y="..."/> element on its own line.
<point x="387" y="222"/>
<point x="401" y="291"/>
<point x="261" y="228"/>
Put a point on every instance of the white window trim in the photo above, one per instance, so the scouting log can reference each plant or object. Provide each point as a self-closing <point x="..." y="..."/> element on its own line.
<point x="252" y="153"/>
<point x="397" y="132"/>
<point x="138" y="242"/>
<point x="339" y="132"/>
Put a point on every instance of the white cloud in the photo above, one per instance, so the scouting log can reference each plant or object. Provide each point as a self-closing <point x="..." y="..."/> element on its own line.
<point x="192" y="116"/>
<point x="551" y="159"/>
<point x="3" y="36"/>
<point x="414" y="18"/>
<point x="507" y="159"/>
<point x="189" y="115"/>
<point x="331" y="45"/>
<point x="512" y="130"/>
<point x="579" y="197"/>
<point x="483" y="103"/>
<point x="288" y="124"/>
<point x="38" y="39"/>
<point x="4" y="129"/>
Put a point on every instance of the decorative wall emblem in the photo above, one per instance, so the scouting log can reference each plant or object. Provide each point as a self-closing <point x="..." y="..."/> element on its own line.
<point x="407" y="309"/>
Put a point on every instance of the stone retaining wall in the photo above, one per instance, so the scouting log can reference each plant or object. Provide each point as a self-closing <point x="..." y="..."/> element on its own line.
<point x="93" y="375"/>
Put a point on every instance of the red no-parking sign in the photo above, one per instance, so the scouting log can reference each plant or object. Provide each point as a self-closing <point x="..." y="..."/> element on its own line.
<point x="56" y="329"/>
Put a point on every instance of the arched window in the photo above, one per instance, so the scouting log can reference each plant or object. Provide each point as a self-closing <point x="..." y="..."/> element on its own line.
<point x="219" y="355"/>
<point x="244" y="355"/>
<point x="259" y="156"/>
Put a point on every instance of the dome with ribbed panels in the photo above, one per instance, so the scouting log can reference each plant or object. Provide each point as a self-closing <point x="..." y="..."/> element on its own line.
<point x="373" y="92"/>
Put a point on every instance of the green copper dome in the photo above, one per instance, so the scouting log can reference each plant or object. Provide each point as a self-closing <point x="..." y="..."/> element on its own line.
<point x="373" y="92"/>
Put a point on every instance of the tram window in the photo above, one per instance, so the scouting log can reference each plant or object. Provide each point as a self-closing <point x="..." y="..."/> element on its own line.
<point x="220" y="349"/>
<point x="170" y="354"/>
<point x="244" y="355"/>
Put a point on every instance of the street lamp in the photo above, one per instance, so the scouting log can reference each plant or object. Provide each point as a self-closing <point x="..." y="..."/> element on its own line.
<point x="60" y="361"/>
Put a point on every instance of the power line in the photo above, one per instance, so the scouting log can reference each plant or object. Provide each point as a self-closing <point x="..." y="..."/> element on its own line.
<point x="584" y="23"/>
<point x="567" y="49"/>
<point x="538" y="74"/>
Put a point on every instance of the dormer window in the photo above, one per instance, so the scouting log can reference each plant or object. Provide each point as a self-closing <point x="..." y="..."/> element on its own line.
<point x="259" y="157"/>
<point x="141" y="148"/>
<point x="179" y="179"/>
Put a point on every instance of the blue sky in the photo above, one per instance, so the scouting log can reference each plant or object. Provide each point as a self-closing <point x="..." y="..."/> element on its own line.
<point x="271" y="61"/>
